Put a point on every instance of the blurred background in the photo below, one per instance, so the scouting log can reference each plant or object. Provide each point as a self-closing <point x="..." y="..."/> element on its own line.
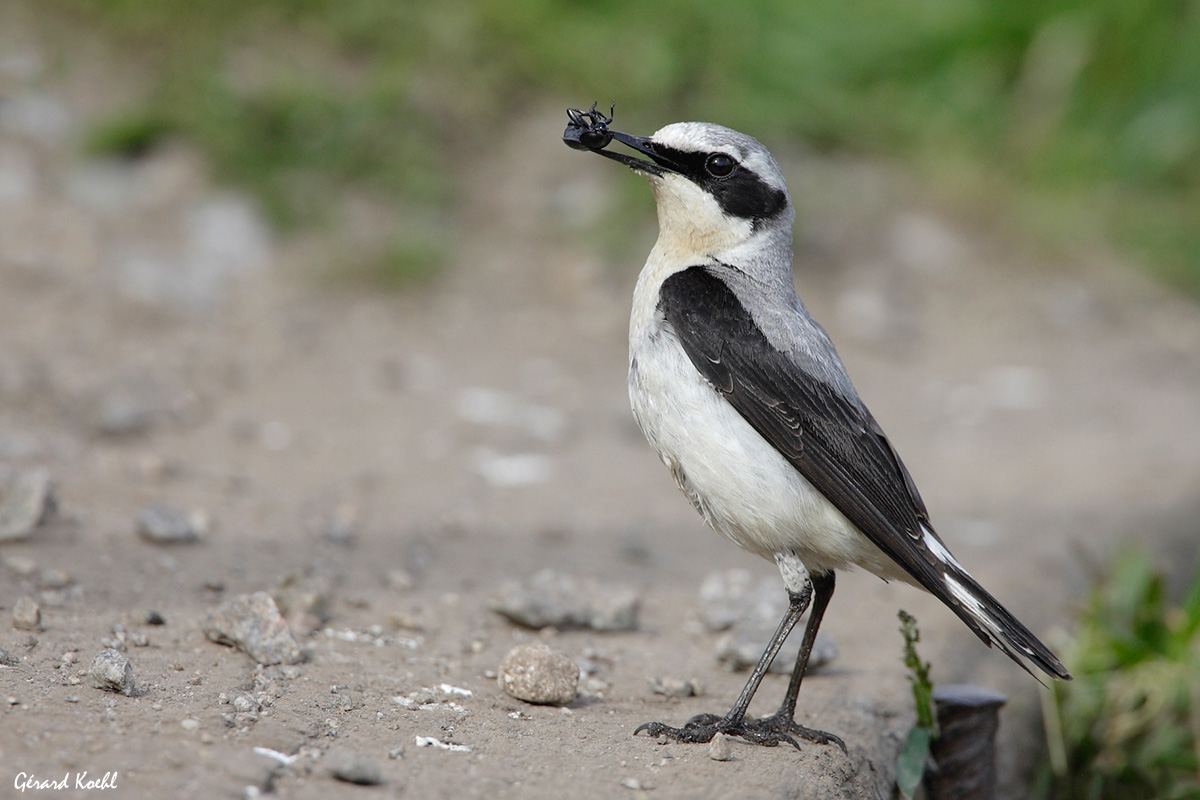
<point x="1077" y="121"/>
<point x="323" y="276"/>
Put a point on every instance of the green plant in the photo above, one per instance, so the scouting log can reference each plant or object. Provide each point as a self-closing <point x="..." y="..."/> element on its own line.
<point x="910" y="767"/>
<point x="1128" y="726"/>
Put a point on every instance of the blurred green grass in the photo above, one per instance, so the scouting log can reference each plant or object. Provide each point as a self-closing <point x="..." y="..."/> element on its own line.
<point x="1081" y="119"/>
<point x="1128" y="725"/>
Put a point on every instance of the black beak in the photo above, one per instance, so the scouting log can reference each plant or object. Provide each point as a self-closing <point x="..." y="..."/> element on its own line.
<point x="588" y="130"/>
<point x="657" y="165"/>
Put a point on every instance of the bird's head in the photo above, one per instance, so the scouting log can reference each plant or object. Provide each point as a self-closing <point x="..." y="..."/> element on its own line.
<point x="716" y="189"/>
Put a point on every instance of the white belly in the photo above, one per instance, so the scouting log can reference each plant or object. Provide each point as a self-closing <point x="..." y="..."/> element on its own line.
<point x="741" y="485"/>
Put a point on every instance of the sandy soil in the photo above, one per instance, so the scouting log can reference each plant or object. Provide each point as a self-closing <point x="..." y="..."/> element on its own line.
<point x="478" y="431"/>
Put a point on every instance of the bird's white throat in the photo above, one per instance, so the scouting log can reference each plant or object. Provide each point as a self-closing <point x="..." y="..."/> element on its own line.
<point x="692" y="223"/>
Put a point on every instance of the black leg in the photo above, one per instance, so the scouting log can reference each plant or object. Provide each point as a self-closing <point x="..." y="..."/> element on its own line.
<point x="702" y="727"/>
<point x="783" y="721"/>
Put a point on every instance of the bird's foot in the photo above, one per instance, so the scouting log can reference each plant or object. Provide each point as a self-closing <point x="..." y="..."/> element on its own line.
<point x="768" y="731"/>
<point x="787" y="729"/>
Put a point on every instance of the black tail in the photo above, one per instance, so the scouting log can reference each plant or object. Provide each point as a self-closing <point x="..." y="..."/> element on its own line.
<point x="994" y="624"/>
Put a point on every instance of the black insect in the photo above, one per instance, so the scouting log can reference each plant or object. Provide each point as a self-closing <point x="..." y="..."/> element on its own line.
<point x="588" y="130"/>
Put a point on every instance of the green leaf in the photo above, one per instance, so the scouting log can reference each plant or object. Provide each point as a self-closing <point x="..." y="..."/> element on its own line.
<point x="910" y="767"/>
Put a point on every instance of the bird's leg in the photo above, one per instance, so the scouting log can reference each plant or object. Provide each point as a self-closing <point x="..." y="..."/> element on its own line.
<point x="703" y="727"/>
<point x="783" y="721"/>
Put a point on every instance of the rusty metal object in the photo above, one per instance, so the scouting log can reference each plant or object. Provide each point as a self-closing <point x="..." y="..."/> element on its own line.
<point x="965" y="752"/>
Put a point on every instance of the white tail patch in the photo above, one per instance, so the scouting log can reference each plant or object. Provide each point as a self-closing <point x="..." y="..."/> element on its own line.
<point x="939" y="550"/>
<point x="974" y="607"/>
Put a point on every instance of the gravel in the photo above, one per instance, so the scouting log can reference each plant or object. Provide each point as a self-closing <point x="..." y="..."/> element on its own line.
<point x="539" y="674"/>
<point x="252" y="623"/>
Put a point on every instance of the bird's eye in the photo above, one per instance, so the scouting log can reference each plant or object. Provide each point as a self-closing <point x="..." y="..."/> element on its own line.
<point x="719" y="165"/>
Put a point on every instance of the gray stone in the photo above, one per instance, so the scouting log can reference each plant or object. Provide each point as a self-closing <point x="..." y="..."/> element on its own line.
<point x="164" y="524"/>
<point x="554" y="599"/>
<point x="26" y="501"/>
<point x="354" y="768"/>
<point x="537" y="673"/>
<point x="112" y="672"/>
<point x="245" y="703"/>
<point x="252" y="623"/>
<point x="54" y="580"/>
<point x="26" y="615"/>
<point x="720" y="748"/>
<point x="126" y="411"/>
<point x="741" y="648"/>
<point x="733" y="595"/>
<point x="677" y="687"/>
<point x="749" y="609"/>
<point x="305" y="601"/>
<point x="7" y="659"/>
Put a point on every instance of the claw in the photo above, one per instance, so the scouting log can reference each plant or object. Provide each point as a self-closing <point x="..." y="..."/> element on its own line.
<point x="767" y="732"/>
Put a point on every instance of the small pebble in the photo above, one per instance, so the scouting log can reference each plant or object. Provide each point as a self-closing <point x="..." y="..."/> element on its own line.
<point x="54" y="579"/>
<point x="7" y="659"/>
<point x="26" y="615"/>
<point x="677" y="687"/>
<point x="720" y="748"/>
<point x="252" y="623"/>
<point x="354" y="768"/>
<point x="304" y="600"/>
<point x="536" y="673"/>
<point x="164" y="524"/>
<point x="245" y="703"/>
<point x="112" y="672"/>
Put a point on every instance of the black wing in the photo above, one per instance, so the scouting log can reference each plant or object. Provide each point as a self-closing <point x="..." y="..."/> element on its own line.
<point x="833" y="441"/>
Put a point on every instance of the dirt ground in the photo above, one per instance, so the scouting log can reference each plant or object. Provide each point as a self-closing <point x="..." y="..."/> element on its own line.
<point x="402" y="455"/>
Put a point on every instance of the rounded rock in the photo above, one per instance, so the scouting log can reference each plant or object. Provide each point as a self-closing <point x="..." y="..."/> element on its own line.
<point x="355" y="768"/>
<point x="112" y="672"/>
<point x="26" y="615"/>
<point x="537" y="673"/>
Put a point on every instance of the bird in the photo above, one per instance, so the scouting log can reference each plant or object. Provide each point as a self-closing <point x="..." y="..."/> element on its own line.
<point x="746" y="400"/>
